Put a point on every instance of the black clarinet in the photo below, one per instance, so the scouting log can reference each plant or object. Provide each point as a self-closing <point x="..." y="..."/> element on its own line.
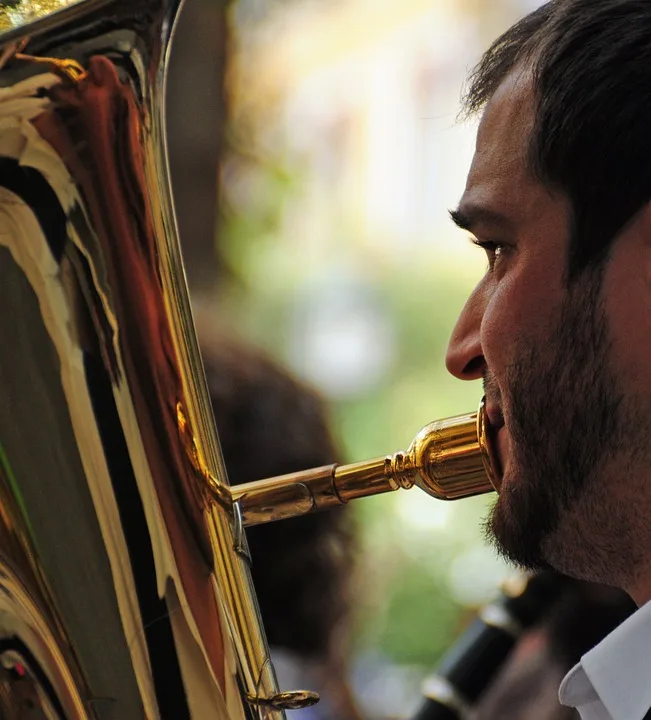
<point x="468" y="668"/>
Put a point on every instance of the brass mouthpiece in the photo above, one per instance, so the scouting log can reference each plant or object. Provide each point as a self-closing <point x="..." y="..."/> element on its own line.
<point x="448" y="459"/>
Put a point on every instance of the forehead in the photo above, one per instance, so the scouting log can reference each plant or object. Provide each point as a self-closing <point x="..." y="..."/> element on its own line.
<point x="505" y="127"/>
<point x="499" y="178"/>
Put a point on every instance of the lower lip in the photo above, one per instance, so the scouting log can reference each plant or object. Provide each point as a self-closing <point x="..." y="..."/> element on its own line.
<point x="502" y="450"/>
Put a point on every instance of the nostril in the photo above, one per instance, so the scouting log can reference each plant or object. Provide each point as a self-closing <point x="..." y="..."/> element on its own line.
<point x="475" y="367"/>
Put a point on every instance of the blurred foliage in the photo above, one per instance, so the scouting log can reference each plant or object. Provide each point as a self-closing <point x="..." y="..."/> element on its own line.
<point x="413" y="591"/>
<point x="405" y="608"/>
<point x="422" y="620"/>
<point x="256" y="186"/>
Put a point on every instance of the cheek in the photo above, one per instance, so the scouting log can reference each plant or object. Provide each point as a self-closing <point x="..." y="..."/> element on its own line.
<point x="519" y="312"/>
<point x="497" y="331"/>
<point x="628" y="313"/>
<point x="506" y="318"/>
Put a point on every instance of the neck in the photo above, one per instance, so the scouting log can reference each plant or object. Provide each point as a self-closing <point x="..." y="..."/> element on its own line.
<point x="640" y="591"/>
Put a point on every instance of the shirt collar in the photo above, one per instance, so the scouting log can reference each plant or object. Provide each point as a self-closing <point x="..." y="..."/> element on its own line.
<point x="616" y="671"/>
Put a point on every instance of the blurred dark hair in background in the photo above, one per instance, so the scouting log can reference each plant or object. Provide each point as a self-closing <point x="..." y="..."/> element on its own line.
<point x="271" y="424"/>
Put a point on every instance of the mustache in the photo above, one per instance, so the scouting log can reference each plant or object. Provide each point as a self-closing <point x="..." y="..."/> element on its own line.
<point x="493" y="396"/>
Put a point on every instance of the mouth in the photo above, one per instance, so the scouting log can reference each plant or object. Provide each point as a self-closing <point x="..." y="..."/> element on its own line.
<point x="495" y="416"/>
<point x="499" y="439"/>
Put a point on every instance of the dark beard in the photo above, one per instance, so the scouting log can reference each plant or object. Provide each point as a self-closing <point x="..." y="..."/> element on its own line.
<point x="565" y="418"/>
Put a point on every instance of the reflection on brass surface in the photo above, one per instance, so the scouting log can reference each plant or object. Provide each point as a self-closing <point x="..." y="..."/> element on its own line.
<point x="289" y="700"/>
<point x="16" y="13"/>
<point x="448" y="459"/>
<point x="68" y="69"/>
<point x="124" y="587"/>
<point x="124" y="576"/>
<point x="34" y="670"/>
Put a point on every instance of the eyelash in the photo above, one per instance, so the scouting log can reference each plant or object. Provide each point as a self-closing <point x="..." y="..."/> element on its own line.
<point x="492" y="249"/>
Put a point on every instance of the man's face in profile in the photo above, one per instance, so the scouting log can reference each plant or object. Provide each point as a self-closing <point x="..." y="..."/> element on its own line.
<point x="570" y="429"/>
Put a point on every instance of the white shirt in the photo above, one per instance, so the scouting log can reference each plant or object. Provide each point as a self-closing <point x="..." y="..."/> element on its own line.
<point x="613" y="680"/>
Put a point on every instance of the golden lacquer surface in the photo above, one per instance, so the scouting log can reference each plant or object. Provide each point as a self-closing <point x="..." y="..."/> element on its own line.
<point x="124" y="584"/>
<point x="125" y="590"/>
<point x="17" y="13"/>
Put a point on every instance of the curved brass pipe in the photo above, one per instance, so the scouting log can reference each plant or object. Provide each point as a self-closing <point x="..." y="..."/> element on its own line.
<point x="448" y="459"/>
<point x="124" y="574"/>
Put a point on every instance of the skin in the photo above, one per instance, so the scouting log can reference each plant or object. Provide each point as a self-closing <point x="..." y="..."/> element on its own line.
<point x="581" y="505"/>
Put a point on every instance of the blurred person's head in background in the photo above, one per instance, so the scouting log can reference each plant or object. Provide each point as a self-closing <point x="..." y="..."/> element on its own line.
<point x="271" y="424"/>
<point x="526" y="687"/>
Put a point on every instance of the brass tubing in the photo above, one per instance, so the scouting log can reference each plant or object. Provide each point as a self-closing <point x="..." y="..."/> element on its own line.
<point x="449" y="459"/>
<point x="286" y="496"/>
<point x="370" y="477"/>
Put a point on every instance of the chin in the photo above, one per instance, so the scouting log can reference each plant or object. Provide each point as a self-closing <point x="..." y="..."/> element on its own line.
<point x="519" y="522"/>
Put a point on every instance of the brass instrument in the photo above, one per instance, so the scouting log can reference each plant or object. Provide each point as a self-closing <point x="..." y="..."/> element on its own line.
<point x="124" y="574"/>
<point x="448" y="459"/>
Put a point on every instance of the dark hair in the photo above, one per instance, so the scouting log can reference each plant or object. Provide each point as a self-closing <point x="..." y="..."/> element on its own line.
<point x="270" y="424"/>
<point x="591" y="69"/>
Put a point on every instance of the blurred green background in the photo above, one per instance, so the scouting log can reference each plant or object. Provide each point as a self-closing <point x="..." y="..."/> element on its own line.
<point x="315" y="149"/>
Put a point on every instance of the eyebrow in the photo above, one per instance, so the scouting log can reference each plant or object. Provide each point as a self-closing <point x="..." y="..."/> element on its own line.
<point x="470" y="216"/>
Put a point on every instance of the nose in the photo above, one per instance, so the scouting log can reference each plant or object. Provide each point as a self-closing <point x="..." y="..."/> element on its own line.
<point x="465" y="356"/>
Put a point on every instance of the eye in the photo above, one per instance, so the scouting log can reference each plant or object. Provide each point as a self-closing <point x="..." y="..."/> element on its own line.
<point x="493" y="250"/>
